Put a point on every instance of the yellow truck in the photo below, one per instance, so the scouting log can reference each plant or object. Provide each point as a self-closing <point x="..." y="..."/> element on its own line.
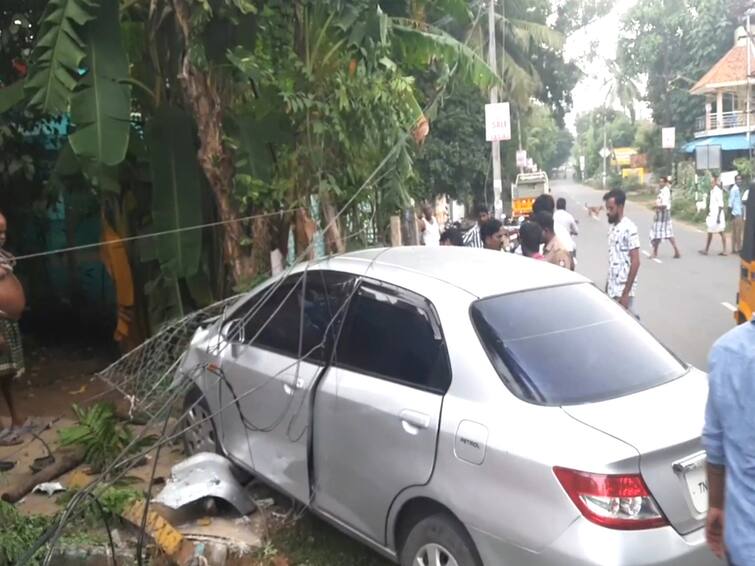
<point x="524" y="191"/>
<point x="746" y="294"/>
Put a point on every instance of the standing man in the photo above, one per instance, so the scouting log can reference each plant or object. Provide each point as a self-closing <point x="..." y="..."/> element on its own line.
<point x="745" y="196"/>
<point x="547" y="204"/>
<point x="729" y="441"/>
<point x="429" y="227"/>
<point x="530" y="238"/>
<point x="472" y="238"/>
<point x="492" y="235"/>
<point x="565" y="219"/>
<point x="623" y="252"/>
<point x="451" y="237"/>
<point x="662" y="228"/>
<point x="716" y="221"/>
<point x="555" y="252"/>
<point x="735" y="207"/>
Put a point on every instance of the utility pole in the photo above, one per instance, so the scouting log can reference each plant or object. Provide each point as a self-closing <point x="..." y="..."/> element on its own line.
<point x="496" y="146"/>
<point x="749" y="78"/>
<point x="605" y="148"/>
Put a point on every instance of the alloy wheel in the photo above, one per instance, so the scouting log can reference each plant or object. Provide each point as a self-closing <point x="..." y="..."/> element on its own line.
<point x="200" y="436"/>
<point x="434" y="555"/>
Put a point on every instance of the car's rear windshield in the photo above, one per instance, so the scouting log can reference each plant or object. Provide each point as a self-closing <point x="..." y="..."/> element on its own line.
<point x="569" y="345"/>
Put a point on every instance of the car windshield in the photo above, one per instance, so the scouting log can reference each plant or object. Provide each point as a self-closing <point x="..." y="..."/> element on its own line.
<point x="569" y="345"/>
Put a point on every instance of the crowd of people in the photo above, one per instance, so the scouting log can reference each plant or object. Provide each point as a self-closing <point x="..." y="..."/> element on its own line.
<point x="549" y="235"/>
<point x="716" y="218"/>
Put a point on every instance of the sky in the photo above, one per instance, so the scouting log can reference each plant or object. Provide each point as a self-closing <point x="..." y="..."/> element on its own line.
<point x="591" y="91"/>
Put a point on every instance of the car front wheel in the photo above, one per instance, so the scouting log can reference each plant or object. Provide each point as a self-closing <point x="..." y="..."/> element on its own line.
<point x="199" y="434"/>
<point x="439" y="540"/>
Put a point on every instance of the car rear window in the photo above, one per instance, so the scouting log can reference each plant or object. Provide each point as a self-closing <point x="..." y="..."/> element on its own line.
<point x="569" y="345"/>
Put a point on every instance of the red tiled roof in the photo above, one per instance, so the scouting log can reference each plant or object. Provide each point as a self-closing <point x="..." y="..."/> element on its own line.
<point x="731" y="68"/>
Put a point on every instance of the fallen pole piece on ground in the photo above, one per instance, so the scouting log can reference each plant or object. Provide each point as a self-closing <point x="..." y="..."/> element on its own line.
<point x="64" y="462"/>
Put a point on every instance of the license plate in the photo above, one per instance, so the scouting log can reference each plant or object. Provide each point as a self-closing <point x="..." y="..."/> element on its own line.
<point x="697" y="485"/>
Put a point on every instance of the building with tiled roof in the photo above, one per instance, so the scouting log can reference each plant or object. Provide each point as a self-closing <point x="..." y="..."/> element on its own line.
<point x="727" y="122"/>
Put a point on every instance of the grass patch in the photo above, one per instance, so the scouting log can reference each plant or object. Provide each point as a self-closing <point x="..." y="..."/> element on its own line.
<point x="311" y="542"/>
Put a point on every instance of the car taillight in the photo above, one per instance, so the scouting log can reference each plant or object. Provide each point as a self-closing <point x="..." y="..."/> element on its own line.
<point x="614" y="501"/>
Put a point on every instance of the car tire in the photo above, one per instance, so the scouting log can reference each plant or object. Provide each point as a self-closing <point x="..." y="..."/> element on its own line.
<point x="200" y="434"/>
<point x="439" y="539"/>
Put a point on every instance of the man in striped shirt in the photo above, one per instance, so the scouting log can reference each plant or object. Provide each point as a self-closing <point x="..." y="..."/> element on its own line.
<point x="472" y="238"/>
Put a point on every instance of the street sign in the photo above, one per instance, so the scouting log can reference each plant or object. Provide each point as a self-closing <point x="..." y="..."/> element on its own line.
<point x="497" y="122"/>
<point x="707" y="157"/>
<point x="605" y="152"/>
<point x="668" y="138"/>
<point x="582" y="163"/>
<point x="521" y="158"/>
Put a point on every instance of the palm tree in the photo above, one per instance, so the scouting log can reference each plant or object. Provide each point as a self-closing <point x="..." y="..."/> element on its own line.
<point x="622" y="89"/>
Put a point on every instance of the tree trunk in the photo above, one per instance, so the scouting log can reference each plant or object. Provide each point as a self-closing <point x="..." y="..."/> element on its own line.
<point x="304" y="233"/>
<point x="334" y="242"/>
<point x="207" y="98"/>
<point x="262" y="243"/>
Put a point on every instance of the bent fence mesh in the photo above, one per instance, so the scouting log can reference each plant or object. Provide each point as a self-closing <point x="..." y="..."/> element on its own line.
<point x="145" y="374"/>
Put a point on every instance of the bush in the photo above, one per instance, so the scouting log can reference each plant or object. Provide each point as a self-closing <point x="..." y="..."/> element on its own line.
<point x="101" y="436"/>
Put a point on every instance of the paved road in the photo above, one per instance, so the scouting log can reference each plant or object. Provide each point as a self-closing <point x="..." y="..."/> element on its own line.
<point x="686" y="302"/>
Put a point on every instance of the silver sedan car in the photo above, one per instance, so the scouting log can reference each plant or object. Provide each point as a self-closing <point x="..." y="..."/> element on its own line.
<point x="459" y="407"/>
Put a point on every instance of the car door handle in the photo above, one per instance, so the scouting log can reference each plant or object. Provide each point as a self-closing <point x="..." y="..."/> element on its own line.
<point x="413" y="421"/>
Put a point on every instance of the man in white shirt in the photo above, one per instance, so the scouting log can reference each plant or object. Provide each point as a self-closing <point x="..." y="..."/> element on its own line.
<point x="429" y="227"/>
<point x="567" y="221"/>
<point x="716" y="221"/>
<point x="623" y="252"/>
<point x="662" y="228"/>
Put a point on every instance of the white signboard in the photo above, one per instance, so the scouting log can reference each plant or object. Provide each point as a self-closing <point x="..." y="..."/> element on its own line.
<point x="582" y="163"/>
<point x="605" y="152"/>
<point x="521" y="158"/>
<point x="497" y="122"/>
<point x="530" y="163"/>
<point x="727" y="178"/>
<point x="668" y="138"/>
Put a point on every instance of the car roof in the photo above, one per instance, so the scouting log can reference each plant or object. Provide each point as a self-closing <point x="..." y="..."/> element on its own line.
<point x="477" y="271"/>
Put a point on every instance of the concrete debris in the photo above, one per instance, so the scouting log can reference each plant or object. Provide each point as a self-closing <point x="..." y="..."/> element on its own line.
<point x="48" y="488"/>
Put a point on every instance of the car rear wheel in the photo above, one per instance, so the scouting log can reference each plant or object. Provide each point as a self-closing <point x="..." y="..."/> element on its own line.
<point x="439" y="540"/>
<point x="199" y="434"/>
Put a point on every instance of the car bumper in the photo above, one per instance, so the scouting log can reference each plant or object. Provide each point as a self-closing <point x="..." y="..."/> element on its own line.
<point x="587" y="544"/>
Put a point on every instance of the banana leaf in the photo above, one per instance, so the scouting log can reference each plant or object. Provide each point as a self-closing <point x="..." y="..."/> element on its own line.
<point x="11" y="95"/>
<point x="101" y="105"/>
<point x="57" y="57"/>
<point x="176" y="191"/>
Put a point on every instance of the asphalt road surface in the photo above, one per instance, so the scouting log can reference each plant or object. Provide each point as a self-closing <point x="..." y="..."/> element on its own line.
<point x="687" y="303"/>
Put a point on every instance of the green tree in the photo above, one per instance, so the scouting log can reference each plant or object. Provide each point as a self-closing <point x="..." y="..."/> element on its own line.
<point x="619" y="132"/>
<point x="674" y="42"/>
<point x="98" y="62"/>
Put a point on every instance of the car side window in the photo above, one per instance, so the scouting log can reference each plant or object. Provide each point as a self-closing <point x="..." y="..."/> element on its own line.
<point x="394" y="335"/>
<point x="272" y="320"/>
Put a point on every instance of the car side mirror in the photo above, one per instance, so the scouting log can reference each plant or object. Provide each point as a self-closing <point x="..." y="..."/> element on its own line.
<point x="234" y="331"/>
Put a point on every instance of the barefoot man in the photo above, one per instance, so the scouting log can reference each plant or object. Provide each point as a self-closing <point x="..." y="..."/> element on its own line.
<point x="716" y="222"/>
<point x="662" y="227"/>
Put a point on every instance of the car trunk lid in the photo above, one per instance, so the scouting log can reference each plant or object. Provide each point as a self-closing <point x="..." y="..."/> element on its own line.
<point x="664" y="424"/>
